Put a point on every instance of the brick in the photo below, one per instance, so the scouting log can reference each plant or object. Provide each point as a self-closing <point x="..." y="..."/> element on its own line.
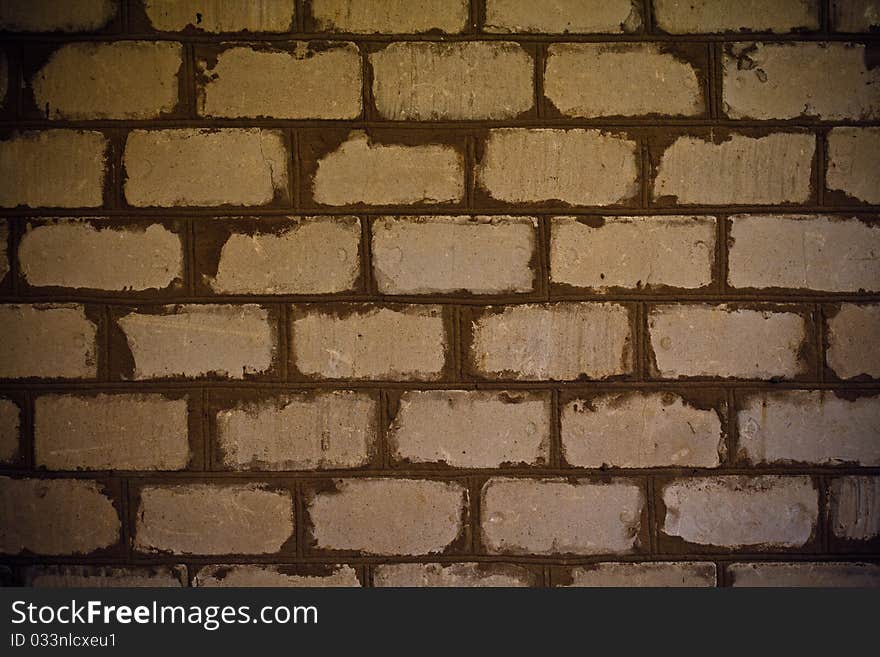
<point x="563" y="16"/>
<point x="822" y="253"/>
<point x="10" y="426"/>
<point x="829" y="81"/>
<point x="816" y="427"/>
<point x="308" y="255"/>
<point x="387" y="516"/>
<point x="56" y="517"/>
<point x="458" y="575"/>
<point x="726" y="341"/>
<point x="57" y="15"/>
<point x="221" y="15"/>
<point x="739" y="170"/>
<point x="471" y="429"/>
<point x="390" y="16"/>
<point x="184" y="340"/>
<point x="640" y="430"/>
<point x="678" y="17"/>
<point x="53" y="168"/>
<point x="124" y="80"/>
<point x="555" y="516"/>
<point x="632" y="252"/>
<point x="49" y="341"/>
<point x="299" y="432"/>
<point x="787" y="575"/>
<point x="82" y="254"/>
<point x="200" y="166"/>
<point x="371" y="343"/>
<point x="363" y="171"/>
<point x="855" y="15"/>
<point x="585" y="80"/>
<point x="111" y="432"/>
<point x="854" y="508"/>
<point x="738" y="511"/>
<point x="560" y="341"/>
<point x="4" y="79"/>
<point x="213" y="519"/>
<point x="4" y="250"/>
<point x="852" y="332"/>
<point x="249" y="82"/>
<point x="425" y="81"/>
<point x="480" y="255"/>
<point x="105" y="577"/>
<point x="250" y="576"/>
<point x="853" y="163"/>
<point x="657" y="574"/>
<point x="576" y="167"/>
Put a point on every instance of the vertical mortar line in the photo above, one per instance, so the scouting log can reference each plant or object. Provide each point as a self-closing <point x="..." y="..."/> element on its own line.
<point x="731" y="426"/>
<point x="367" y="81"/>
<point x="712" y="81"/>
<point x="189" y="72"/>
<point x="825" y="17"/>
<point x="474" y="502"/>
<point x="470" y="165"/>
<point x="722" y="578"/>
<point x="284" y="341"/>
<point x="104" y="357"/>
<point x="821" y="164"/>
<point x="555" y="430"/>
<point x="299" y="519"/>
<point x="721" y="252"/>
<point x="824" y="528"/>
<point x="117" y="140"/>
<point x="28" y="443"/>
<point x="382" y="431"/>
<point x="16" y="81"/>
<point x="717" y="73"/>
<point x="544" y="237"/>
<point x="653" y="521"/>
<point x="189" y="263"/>
<point x="547" y="579"/>
<point x="540" y="55"/>
<point x="640" y="337"/>
<point x="478" y="14"/>
<point x="127" y="517"/>
<point x="299" y="18"/>
<point x="821" y="341"/>
<point x="16" y="228"/>
<point x="207" y="433"/>
<point x="645" y="172"/>
<point x="294" y="180"/>
<point x="647" y="17"/>
<point x="457" y="366"/>
<point x="366" y="575"/>
<point x="366" y="254"/>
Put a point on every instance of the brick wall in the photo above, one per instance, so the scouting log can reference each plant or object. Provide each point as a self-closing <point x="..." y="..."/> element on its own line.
<point x="438" y="292"/>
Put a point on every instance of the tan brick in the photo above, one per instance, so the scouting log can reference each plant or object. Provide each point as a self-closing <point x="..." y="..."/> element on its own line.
<point x="186" y="340"/>
<point x="855" y="15"/>
<point x="56" y="15"/>
<point x="48" y="341"/>
<point x="250" y="576"/>
<point x="426" y="80"/>
<point x="105" y="576"/>
<point x="854" y="508"/>
<point x="10" y="426"/>
<point x="372" y="343"/>
<point x="361" y="171"/>
<point x="632" y="252"/>
<point x="726" y="341"/>
<point x="53" y="168"/>
<point x="561" y="341"/>
<point x="636" y="430"/>
<point x="213" y="519"/>
<point x="852" y="333"/>
<point x="299" y="432"/>
<point x="458" y="575"/>
<point x="826" y="574"/>
<point x="56" y="517"/>
<point x="80" y="254"/>
<point x="471" y="429"/>
<point x="657" y="574"/>
<point x="790" y="80"/>
<point x="123" y="80"/>
<point x="111" y="432"/>
<point x="4" y="250"/>
<point x="835" y="254"/>
<point x="481" y="255"/>
<point x="390" y="16"/>
<point x="576" y="167"/>
<point x="556" y="516"/>
<point x="739" y="511"/>
<point x="388" y="516"/>
<point x="250" y="82"/>
<point x="602" y="79"/>
<point x="563" y="16"/>
<point x="312" y="255"/>
<point x="854" y="164"/>
<point x="817" y="427"/>
<point x="740" y="170"/>
<point x="679" y="17"/>
<point x="221" y="15"/>
<point x="199" y="166"/>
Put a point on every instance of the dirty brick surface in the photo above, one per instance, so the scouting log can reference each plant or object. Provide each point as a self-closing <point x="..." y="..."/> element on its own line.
<point x="383" y="293"/>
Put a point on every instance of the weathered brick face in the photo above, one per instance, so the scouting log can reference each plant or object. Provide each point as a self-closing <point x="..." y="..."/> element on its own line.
<point x="392" y="293"/>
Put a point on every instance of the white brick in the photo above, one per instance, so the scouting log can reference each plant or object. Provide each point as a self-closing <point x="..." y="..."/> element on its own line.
<point x="787" y="575"/>
<point x="456" y="575"/>
<point x="390" y="16"/>
<point x="852" y="333"/>
<point x="854" y="164"/>
<point x="563" y="16"/>
<point x="105" y="576"/>
<point x="854" y="508"/>
<point x="680" y="17"/>
<point x="855" y="15"/>
<point x="221" y="15"/>
<point x="250" y="576"/>
<point x="657" y="574"/>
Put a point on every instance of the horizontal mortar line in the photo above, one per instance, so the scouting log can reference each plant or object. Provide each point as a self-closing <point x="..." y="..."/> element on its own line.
<point x="274" y="37"/>
<point x="155" y="477"/>
<point x="423" y="211"/>
<point x="465" y="384"/>
<point x="648" y="123"/>
<point x="330" y="559"/>
<point x="684" y="298"/>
